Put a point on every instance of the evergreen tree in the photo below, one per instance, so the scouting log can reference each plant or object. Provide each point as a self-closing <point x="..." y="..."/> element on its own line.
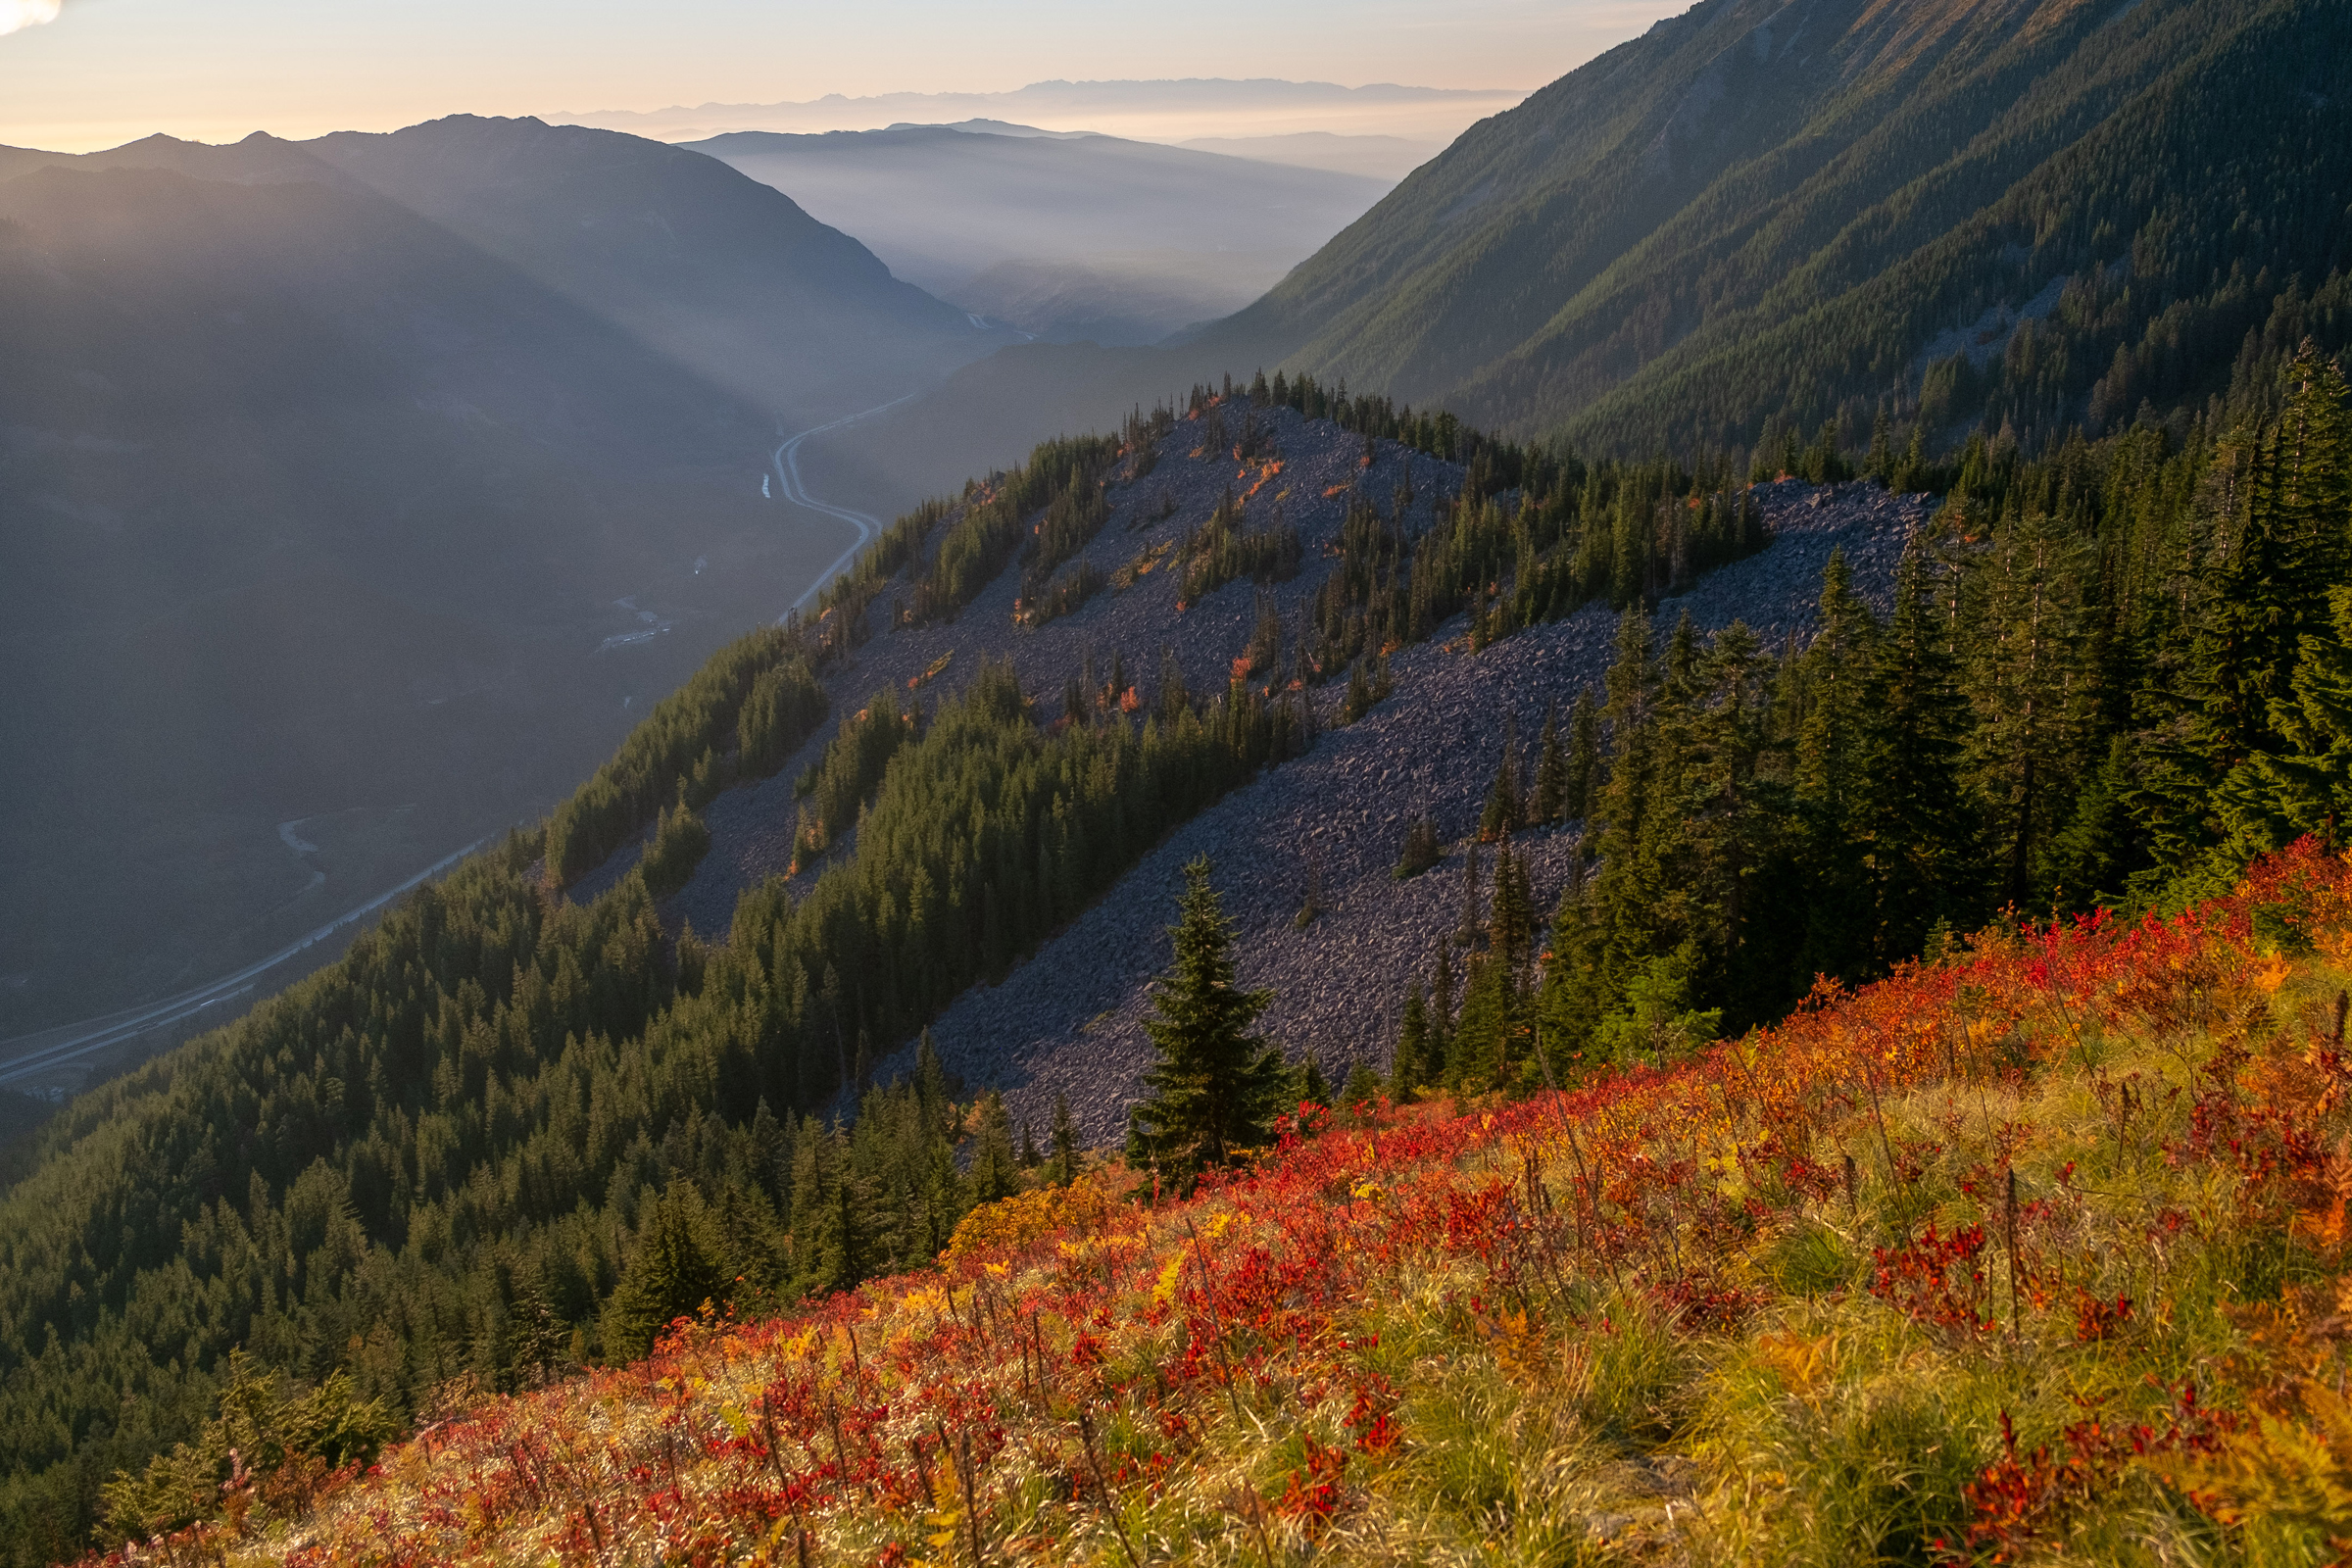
<point x="1584" y="755"/>
<point x="2274" y="797"/>
<point x="1512" y="923"/>
<point x="1551" y="771"/>
<point x="2281" y="547"/>
<point x="1505" y="812"/>
<point x="673" y="1273"/>
<point x="1213" y="1085"/>
<point x="1912" y="820"/>
<point x="1733" y="815"/>
<point x="995" y="1168"/>
<point x="1312" y="1088"/>
<point x="1421" y="848"/>
<point x="1064" y="1168"/>
<point x="1834" y="678"/>
<point x="1440" y="1016"/>
<point x="1412" y="1065"/>
<point x="2027" y="684"/>
<point x="2095" y="858"/>
<point x="1910" y="474"/>
<point x="1633" y="896"/>
<point x="1471" y="925"/>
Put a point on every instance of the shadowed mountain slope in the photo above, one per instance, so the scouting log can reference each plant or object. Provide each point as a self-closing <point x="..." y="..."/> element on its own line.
<point x="332" y="467"/>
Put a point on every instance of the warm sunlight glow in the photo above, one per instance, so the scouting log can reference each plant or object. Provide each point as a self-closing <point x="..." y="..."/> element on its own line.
<point x="16" y="13"/>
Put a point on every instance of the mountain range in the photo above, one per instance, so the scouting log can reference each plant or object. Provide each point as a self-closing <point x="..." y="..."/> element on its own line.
<point x="1152" y="111"/>
<point x="1762" y="208"/>
<point x="1066" y="236"/>
<point x="1817" y="480"/>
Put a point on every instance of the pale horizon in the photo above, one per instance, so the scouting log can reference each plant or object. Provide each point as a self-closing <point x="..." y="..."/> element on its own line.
<point x="95" y="73"/>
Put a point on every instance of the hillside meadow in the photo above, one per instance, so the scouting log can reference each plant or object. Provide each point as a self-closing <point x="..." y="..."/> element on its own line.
<point x="2034" y="1252"/>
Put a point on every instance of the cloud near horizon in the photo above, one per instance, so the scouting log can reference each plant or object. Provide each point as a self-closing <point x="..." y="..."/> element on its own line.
<point x="16" y="15"/>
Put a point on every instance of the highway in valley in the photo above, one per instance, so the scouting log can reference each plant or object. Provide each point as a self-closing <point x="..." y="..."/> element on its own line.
<point x="29" y="1058"/>
<point x="787" y="461"/>
<point x="35" y="1056"/>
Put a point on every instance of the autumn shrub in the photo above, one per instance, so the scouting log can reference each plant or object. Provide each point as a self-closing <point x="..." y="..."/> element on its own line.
<point x="2037" y="1254"/>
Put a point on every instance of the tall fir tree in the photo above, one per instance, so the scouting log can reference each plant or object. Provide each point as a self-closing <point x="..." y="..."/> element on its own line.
<point x="1912" y="820"/>
<point x="1505" y="812"/>
<point x="1584" y="755"/>
<point x="1512" y="923"/>
<point x="2274" y="798"/>
<point x="2266" y="661"/>
<point x="1214" y="1086"/>
<point x="673" y="1273"/>
<point x="1064" y="1167"/>
<point x="996" y="1168"/>
<point x="1441" y="988"/>
<point x="1551" y="771"/>
<point x="2027" y="683"/>
<point x="1833" y="683"/>
<point x="1411" y="1068"/>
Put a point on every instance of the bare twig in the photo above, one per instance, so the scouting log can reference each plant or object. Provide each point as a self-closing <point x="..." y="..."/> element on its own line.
<point x="2009" y="1239"/>
<point x="1216" y="1324"/>
<point x="1110" y="1507"/>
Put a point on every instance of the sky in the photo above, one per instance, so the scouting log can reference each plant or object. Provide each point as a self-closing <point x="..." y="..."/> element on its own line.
<point x="90" y="73"/>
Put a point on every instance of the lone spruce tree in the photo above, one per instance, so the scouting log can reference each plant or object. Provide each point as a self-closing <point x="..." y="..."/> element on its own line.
<point x="1215" y="1083"/>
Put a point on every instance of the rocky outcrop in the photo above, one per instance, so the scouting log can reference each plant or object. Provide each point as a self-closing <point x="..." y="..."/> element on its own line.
<point x="1069" y="1018"/>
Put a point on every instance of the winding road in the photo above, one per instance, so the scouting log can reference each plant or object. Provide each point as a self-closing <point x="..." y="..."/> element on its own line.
<point x="787" y="461"/>
<point x="32" y="1056"/>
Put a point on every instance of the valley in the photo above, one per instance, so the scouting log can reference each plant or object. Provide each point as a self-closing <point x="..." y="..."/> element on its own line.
<point x="393" y="522"/>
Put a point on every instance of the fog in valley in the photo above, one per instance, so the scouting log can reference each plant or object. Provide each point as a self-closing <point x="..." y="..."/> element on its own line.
<point x="1064" y="235"/>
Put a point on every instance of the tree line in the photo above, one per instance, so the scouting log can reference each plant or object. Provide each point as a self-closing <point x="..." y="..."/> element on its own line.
<point x="2107" y="678"/>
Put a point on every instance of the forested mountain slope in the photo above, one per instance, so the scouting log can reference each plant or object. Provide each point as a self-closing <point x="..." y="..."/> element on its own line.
<point x="358" y="488"/>
<point x="524" y="1162"/>
<point x="531" y="1116"/>
<point x="1763" y="209"/>
<point x="516" y="1128"/>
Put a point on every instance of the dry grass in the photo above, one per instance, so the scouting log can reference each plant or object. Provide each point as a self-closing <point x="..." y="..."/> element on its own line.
<point x="1652" y="1320"/>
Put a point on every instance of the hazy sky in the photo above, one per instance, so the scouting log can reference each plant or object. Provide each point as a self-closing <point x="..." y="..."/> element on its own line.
<point x="96" y="73"/>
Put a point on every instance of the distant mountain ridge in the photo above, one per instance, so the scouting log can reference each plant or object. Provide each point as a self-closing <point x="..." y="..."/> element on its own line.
<point x="1132" y="239"/>
<point x="1381" y="157"/>
<point x="1170" y="108"/>
<point x="1763" y="214"/>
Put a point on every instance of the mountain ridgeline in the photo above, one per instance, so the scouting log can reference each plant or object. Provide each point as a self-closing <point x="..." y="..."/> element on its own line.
<point x="2041" y="213"/>
<point x="1070" y="237"/>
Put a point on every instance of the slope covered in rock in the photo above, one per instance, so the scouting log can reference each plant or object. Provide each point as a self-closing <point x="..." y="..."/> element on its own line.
<point x="1068" y="1019"/>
